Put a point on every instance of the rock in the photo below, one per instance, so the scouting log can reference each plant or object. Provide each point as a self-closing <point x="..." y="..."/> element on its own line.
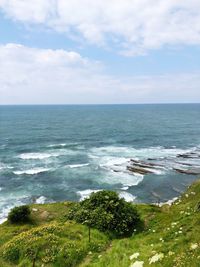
<point x="34" y="209"/>
<point x="115" y="171"/>
<point x="139" y="170"/>
<point x="143" y="167"/>
<point x="183" y="163"/>
<point x="134" y="160"/>
<point x="145" y="163"/>
<point x="192" y="172"/>
<point x="191" y="155"/>
<point x="44" y="215"/>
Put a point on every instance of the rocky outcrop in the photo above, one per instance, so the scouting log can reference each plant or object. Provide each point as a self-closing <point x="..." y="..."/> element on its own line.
<point x="185" y="163"/>
<point x="143" y="167"/>
<point x="139" y="170"/>
<point x="188" y="171"/>
<point x="191" y="155"/>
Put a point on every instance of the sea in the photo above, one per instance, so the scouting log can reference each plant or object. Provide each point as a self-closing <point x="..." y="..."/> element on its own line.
<point x="51" y="153"/>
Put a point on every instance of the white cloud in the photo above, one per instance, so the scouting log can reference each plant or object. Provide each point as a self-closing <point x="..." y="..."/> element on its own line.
<point x="131" y="26"/>
<point x="37" y="76"/>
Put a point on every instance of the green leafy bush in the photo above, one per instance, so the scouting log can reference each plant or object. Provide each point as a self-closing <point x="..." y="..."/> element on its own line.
<point x="107" y="212"/>
<point x="19" y="214"/>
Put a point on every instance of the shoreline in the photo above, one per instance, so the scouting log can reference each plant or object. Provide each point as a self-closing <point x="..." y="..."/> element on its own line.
<point x="126" y="195"/>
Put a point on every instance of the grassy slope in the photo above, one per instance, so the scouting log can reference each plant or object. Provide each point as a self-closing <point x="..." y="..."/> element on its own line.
<point x="172" y="231"/>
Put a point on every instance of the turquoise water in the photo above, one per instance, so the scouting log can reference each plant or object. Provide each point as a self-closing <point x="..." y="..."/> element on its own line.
<point x="54" y="153"/>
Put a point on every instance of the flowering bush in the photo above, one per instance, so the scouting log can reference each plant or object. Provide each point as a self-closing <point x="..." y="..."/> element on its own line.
<point x="54" y="244"/>
<point x="107" y="212"/>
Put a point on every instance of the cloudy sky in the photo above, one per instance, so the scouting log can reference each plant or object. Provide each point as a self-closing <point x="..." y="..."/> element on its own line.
<point x="95" y="52"/>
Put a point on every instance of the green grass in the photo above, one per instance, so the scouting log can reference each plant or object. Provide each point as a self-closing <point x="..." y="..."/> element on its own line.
<point x="173" y="232"/>
<point x="49" y="238"/>
<point x="169" y="230"/>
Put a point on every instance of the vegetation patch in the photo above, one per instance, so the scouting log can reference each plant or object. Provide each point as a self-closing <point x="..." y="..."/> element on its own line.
<point x="19" y="214"/>
<point x="105" y="211"/>
<point x="58" y="244"/>
<point x="171" y="236"/>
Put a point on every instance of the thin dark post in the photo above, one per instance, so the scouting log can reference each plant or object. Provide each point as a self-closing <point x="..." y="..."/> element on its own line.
<point x="34" y="262"/>
<point x="89" y="232"/>
<point x="34" y="259"/>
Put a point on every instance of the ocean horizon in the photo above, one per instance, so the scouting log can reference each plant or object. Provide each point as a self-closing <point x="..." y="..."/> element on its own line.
<point x="145" y="152"/>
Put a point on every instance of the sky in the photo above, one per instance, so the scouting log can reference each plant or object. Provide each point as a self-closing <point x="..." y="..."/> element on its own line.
<point x="99" y="52"/>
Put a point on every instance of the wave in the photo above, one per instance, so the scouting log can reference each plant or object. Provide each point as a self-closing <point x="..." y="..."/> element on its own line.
<point x="7" y="204"/>
<point x="48" y="154"/>
<point x="86" y="193"/>
<point x="4" y="214"/>
<point x="58" y="145"/>
<point x="77" y="165"/>
<point x="38" y="155"/>
<point x="4" y="166"/>
<point x="127" y="196"/>
<point x="113" y="161"/>
<point x="169" y="202"/>
<point x="122" y="178"/>
<point x="117" y="158"/>
<point x="130" y="152"/>
<point x="41" y="200"/>
<point x="32" y="171"/>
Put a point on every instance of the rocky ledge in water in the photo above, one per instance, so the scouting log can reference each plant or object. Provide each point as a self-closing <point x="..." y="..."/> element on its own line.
<point x="189" y="155"/>
<point x="193" y="171"/>
<point x="186" y="163"/>
<point x="143" y="167"/>
<point x="189" y="164"/>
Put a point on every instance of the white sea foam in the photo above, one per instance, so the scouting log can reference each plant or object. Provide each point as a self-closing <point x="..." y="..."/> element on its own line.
<point x="127" y="196"/>
<point x="6" y="205"/>
<point x="32" y="171"/>
<point x="116" y="158"/>
<point x="125" y="188"/>
<point x="86" y="193"/>
<point x="58" y="145"/>
<point x="116" y="168"/>
<point x="77" y="165"/>
<point x="110" y="161"/>
<point x="117" y="162"/>
<point x="155" y="171"/>
<point x="4" y="214"/>
<point x="122" y="178"/>
<point x="38" y="155"/>
<point x="41" y="200"/>
<point x="169" y="202"/>
<point x="49" y="154"/>
<point x="142" y="153"/>
<point x="5" y="166"/>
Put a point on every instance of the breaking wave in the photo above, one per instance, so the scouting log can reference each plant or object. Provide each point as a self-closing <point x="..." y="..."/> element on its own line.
<point x="32" y="171"/>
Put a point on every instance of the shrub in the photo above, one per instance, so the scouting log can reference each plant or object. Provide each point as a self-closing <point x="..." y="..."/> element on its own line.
<point x="107" y="212"/>
<point x="19" y="214"/>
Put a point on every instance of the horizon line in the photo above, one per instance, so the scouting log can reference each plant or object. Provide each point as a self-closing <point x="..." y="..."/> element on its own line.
<point x="104" y="104"/>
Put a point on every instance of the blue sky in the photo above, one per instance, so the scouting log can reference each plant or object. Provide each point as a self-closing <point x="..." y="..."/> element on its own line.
<point x="68" y="55"/>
